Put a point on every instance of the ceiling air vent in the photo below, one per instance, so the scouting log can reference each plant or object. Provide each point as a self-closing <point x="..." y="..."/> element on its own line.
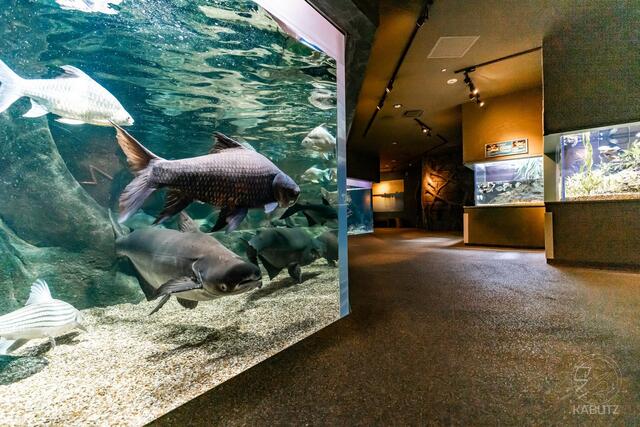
<point x="412" y="113"/>
<point x="452" y="47"/>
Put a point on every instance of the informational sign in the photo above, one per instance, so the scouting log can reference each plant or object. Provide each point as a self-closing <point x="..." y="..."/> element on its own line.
<point x="506" y="148"/>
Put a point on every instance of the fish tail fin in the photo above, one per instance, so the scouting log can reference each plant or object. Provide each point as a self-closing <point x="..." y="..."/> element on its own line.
<point x="138" y="157"/>
<point x="135" y="194"/>
<point x="140" y="162"/>
<point x="10" y="87"/>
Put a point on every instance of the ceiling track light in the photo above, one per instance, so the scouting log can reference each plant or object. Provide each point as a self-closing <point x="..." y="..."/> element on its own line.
<point x="422" y="18"/>
<point x="423" y="127"/>
<point x="474" y="93"/>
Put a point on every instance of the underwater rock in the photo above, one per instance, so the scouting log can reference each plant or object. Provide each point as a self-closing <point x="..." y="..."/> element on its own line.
<point x="49" y="226"/>
<point x="14" y="369"/>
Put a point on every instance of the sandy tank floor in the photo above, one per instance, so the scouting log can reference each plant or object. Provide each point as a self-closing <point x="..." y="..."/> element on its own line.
<point x="129" y="368"/>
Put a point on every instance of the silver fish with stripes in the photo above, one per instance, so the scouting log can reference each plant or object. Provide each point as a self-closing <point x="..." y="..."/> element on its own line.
<point x="41" y="317"/>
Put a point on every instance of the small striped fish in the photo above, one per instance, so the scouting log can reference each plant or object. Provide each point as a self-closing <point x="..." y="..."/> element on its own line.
<point x="41" y="317"/>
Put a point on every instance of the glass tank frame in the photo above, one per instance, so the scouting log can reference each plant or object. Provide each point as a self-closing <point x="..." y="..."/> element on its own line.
<point x="599" y="163"/>
<point x="509" y="182"/>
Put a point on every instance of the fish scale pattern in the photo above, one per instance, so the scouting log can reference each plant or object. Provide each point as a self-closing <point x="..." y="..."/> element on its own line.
<point x="231" y="178"/>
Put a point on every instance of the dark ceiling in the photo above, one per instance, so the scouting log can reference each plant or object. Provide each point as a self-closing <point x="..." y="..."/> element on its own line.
<point x="503" y="27"/>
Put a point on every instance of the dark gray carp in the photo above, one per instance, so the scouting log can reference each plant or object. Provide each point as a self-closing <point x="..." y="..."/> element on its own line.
<point x="329" y="246"/>
<point x="232" y="177"/>
<point x="189" y="264"/>
<point x="314" y="212"/>
<point x="280" y="248"/>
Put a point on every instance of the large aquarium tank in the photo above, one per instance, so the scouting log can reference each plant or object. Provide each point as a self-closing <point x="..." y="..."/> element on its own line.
<point x="359" y="210"/>
<point x="507" y="182"/>
<point x="163" y="225"/>
<point x="600" y="163"/>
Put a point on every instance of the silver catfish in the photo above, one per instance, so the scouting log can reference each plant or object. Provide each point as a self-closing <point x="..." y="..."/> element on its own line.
<point x="189" y="264"/>
<point x="41" y="317"/>
<point x="74" y="96"/>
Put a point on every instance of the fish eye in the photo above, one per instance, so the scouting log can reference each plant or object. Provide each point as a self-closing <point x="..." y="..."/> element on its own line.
<point x="223" y="287"/>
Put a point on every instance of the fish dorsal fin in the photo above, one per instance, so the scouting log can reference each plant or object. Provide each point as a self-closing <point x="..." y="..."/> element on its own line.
<point x="223" y="142"/>
<point x="39" y="293"/>
<point x="71" y="71"/>
<point x="186" y="224"/>
<point x="325" y="201"/>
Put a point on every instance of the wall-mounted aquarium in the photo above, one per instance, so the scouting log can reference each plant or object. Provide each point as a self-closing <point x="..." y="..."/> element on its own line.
<point x="161" y="223"/>
<point x="600" y="163"/>
<point x="359" y="207"/>
<point x="508" y="182"/>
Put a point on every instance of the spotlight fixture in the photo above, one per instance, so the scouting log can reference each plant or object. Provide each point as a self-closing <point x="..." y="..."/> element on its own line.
<point x="452" y="81"/>
<point x="444" y="70"/>
<point x="396" y="106"/>
<point x="474" y="93"/>
<point x="423" y="127"/>
<point x="394" y="160"/>
<point x="395" y="143"/>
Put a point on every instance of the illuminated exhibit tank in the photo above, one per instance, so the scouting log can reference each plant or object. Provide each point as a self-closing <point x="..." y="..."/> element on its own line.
<point x="158" y="159"/>
<point x="601" y="163"/>
<point x="507" y="182"/>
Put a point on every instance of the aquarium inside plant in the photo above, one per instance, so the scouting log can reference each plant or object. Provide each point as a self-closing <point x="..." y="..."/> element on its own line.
<point x="601" y="163"/>
<point x="509" y="182"/>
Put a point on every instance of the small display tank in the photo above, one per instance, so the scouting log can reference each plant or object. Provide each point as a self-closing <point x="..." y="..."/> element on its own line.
<point x="507" y="182"/>
<point x="602" y="163"/>
<point x="359" y="211"/>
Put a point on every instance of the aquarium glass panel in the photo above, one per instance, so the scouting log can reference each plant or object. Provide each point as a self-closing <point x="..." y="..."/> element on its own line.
<point x="171" y="178"/>
<point x="359" y="211"/>
<point x="509" y="182"/>
<point x="601" y="163"/>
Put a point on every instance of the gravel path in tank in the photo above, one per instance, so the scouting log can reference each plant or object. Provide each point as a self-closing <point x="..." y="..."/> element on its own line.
<point x="130" y="368"/>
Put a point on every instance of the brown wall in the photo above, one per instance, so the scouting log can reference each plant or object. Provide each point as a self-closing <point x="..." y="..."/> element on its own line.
<point x="591" y="67"/>
<point x="503" y="118"/>
<point x="602" y="232"/>
<point x="515" y="226"/>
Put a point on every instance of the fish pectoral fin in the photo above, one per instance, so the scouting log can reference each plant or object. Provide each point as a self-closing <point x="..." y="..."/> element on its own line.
<point x="272" y="270"/>
<point x="187" y="303"/>
<point x="221" y="222"/>
<point x="162" y="302"/>
<point x="270" y="207"/>
<point x="234" y="218"/>
<point x="36" y="110"/>
<point x="70" y="121"/>
<point x="174" y="203"/>
<point x="52" y="341"/>
<point x="174" y="286"/>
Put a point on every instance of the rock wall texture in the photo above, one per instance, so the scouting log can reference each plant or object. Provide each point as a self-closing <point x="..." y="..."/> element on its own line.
<point x="447" y="186"/>
<point x="50" y="227"/>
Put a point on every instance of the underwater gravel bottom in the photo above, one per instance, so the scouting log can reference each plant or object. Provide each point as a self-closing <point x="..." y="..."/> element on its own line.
<point x="130" y="368"/>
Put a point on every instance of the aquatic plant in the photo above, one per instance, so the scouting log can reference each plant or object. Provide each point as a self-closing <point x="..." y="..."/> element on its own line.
<point x="529" y="170"/>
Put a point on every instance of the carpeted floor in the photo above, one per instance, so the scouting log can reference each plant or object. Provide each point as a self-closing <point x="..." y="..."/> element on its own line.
<point x="445" y="334"/>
